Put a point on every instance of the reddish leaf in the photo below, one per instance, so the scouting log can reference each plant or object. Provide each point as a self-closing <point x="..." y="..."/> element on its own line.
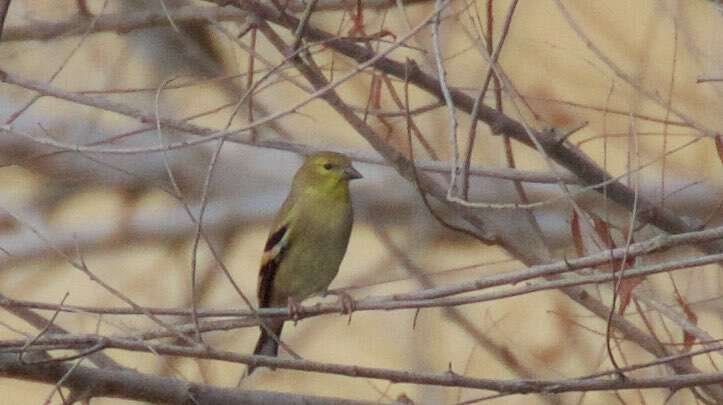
<point x="375" y="100"/>
<point x="626" y="287"/>
<point x="625" y="292"/>
<point x="357" y="18"/>
<point x="688" y="338"/>
<point x="603" y="231"/>
<point x="719" y="146"/>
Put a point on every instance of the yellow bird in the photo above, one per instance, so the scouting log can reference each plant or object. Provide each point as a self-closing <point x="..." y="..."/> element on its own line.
<point x="307" y="241"/>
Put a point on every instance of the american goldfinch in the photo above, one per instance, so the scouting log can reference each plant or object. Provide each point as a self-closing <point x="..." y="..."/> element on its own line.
<point x="307" y="241"/>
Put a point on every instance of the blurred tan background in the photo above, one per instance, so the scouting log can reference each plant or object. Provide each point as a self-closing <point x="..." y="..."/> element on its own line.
<point x="112" y="208"/>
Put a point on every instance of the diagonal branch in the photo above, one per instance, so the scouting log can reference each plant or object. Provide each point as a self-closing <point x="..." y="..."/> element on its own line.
<point x="564" y="154"/>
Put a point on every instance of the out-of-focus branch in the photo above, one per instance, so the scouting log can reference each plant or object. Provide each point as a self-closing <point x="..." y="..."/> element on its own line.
<point x="122" y="23"/>
<point x="86" y="383"/>
<point x="126" y="22"/>
<point x="4" y="6"/>
<point x="446" y="379"/>
<point x="140" y="227"/>
<point x="19" y="141"/>
<point x="298" y="6"/>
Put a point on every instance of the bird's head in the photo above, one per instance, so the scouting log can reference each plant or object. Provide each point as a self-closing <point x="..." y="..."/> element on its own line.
<point x="326" y="172"/>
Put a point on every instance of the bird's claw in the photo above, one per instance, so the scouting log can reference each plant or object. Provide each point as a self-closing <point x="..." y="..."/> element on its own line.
<point x="345" y="302"/>
<point x="295" y="309"/>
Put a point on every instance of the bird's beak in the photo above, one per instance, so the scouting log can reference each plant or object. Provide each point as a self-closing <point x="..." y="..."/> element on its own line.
<point x="351" y="173"/>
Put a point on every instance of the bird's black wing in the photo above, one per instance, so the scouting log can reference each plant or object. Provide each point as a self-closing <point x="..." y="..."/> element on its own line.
<point x="274" y="251"/>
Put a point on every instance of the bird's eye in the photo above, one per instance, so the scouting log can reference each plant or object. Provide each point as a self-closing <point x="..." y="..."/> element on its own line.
<point x="328" y="166"/>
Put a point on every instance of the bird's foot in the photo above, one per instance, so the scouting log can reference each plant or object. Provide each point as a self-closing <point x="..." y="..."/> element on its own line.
<point x="295" y="309"/>
<point x="346" y="302"/>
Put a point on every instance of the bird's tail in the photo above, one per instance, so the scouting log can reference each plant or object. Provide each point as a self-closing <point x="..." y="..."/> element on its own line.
<point x="267" y="345"/>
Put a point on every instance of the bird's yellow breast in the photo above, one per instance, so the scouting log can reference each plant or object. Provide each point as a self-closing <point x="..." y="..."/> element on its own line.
<point x="322" y="225"/>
